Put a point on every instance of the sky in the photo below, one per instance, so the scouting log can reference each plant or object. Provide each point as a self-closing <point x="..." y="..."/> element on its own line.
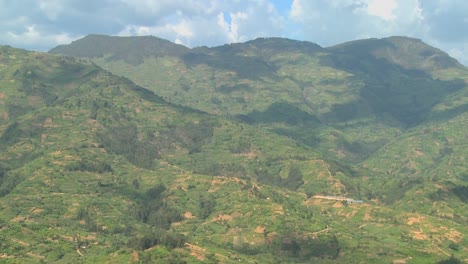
<point x="43" y="24"/>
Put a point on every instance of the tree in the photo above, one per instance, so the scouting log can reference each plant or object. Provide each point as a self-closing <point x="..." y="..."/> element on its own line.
<point x="294" y="179"/>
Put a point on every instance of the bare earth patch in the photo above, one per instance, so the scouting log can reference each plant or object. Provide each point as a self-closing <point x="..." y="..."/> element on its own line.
<point x="19" y="218"/>
<point x="412" y="220"/>
<point x="35" y="255"/>
<point x="438" y="186"/>
<point x="4" y="115"/>
<point x="367" y="216"/>
<point x="418" y="153"/>
<point x="401" y="261"/>
<point x="136" y="258"/>
<point x="454" y="236"/>
<point x="37" y="210"/>
<point x="20" y="242"/>
<point x="278" y="210"/>
<point x="259" y="230"/>
<point x="196" y="251"/>
<point x="418" y="235"/>
<point x="337" y="205"/>
<point x="188" y="215"/>
<point x="4" y="255"/>
<point x="222" y="217"/>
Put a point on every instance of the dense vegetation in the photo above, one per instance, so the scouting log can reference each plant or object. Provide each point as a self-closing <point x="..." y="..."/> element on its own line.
<point x="94" y="168"/>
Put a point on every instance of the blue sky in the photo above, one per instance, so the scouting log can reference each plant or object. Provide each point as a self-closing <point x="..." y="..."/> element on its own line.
<point x="43" y="24"/>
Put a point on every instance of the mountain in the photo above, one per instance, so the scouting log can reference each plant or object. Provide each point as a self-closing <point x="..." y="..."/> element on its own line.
<point x="393" y="109"/>
<point x="95" y="168"/>
<point x="409" y="53"/>
<point x="347" y="101"/>
<point x="136" y="50"/>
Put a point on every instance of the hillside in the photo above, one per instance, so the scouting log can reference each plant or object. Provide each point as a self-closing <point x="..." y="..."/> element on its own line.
<point x="347" y="101"/>
<point x="96" y="46"/>
<point x="97" y="169"/>
<point x="409" y="53"/>
<point x="394" y="109"/>
<point x="82" y="148"/>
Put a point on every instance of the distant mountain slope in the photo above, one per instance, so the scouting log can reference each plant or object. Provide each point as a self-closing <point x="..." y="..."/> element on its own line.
<point x="347" y="100"/>
<point x="132" y="50"/>
<point x="406" y="52"/>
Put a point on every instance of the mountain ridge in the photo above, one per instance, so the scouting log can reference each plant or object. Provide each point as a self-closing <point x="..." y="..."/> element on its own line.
<point x="151" y="40"/>
<point x="263" y="78"/>
<point x="411" y="53"/>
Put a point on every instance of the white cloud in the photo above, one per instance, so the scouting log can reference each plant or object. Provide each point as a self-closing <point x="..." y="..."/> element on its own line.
<point x="31" y="36"/>
<point x="382" y="8"/>
<point x="296" y="12"/>
<point x="179" y="30"/>
<point x="442" y="23"/>
<point x="51" y="8"/>
<point x="215" y="22"/>
<point x="212" y="23"/>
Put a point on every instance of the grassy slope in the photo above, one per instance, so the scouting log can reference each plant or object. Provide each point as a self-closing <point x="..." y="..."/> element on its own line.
<point x="347" y="100"/>
<point x="260" y="81"/>
<point x="65" y="179"/>
<point x="41" y="214"/>
<point x="331" y="107"/>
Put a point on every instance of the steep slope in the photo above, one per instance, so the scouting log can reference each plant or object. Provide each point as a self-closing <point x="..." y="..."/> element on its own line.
<point x="96" y="169"/>
<point x="85" y="154"/>
<point x="347" y="100"/>
<point x="399" y="75"/>
<point x="132" y="50"/>
<point x="409" y="53"/>
<point x="395" y="107"/>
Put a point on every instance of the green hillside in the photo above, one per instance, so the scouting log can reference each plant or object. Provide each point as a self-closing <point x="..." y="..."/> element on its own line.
<point x="97" y="169"/>
<point x="394" y="108"/>
<point x="94" y="168"/>
<point x="347" y="101"/>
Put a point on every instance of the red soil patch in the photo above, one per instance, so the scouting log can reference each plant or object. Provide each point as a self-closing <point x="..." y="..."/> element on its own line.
<point x="337" y="205"/>
<point x="196" y="251"/>
<point x="412" y="220"/>
<point x="418" y="235"/>
<point x="136" y="258"/>
<point x="259" y="230"/>
<point x="454" y="236"/>
<point x="188" y="215"/>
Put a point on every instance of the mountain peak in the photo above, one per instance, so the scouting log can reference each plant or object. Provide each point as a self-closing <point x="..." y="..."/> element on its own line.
<point x="132" y="49"/>
<point x="285" y="44"/>
<point x="407" y="52"/>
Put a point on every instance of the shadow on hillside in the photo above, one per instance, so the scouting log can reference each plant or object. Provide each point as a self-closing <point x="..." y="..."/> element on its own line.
<point x="389" y="90"/>
<point x="450" y="113"/>
<point x="245" y="67"/>
<point x="281" y="112"/>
